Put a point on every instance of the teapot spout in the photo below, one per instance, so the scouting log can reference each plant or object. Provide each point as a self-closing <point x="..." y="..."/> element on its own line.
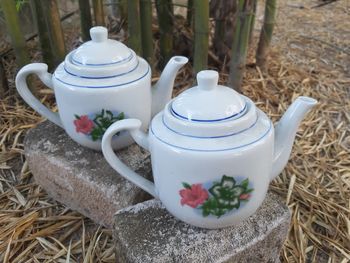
<point x="285" y="131"/>
<point x="162" y="90"/>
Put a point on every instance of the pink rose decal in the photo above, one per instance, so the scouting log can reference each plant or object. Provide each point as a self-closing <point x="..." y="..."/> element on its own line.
<point x="193" y="195"/>
<point x="83" y="124"/>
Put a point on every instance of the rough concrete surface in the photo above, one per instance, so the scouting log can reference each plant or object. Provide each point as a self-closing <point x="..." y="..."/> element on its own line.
<point x="146" y="232"/>
<point x="81" y="178"/>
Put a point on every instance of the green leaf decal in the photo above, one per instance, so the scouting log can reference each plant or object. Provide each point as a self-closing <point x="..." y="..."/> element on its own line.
<point x="186" y="185"/>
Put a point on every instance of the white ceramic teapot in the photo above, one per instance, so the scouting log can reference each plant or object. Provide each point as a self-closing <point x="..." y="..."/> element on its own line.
<point x="213" y="152"/>
<point x="101" y="82"/>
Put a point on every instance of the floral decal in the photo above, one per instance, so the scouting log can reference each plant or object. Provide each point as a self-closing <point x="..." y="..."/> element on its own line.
<point x="83" y="124"/>
<point x="194" y="195"/>
<point x="221" y="198"/>
<point x="96" y="126"/>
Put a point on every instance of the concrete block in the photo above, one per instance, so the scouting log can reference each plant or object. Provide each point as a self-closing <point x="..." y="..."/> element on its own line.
<point x="79" y="177"/>
<point x="146" y="232"/>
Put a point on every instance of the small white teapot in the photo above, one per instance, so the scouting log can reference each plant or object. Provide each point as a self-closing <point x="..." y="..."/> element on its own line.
<point x="101" y="82"/>
<point x="213" y="152"/>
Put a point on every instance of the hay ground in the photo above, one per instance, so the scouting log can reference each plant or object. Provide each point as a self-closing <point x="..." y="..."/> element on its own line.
<point x="310" y="56"/>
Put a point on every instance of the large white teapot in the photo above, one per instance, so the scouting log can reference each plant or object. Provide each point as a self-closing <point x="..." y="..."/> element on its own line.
<point x="213" y="152"/>
<point x="101" y="82"/>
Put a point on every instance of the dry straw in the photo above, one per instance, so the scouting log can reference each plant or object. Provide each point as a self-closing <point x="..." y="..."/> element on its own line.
<point x="315" y="184"/>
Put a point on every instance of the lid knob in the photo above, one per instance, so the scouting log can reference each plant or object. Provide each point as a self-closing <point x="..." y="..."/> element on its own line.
<point x="207" y="79"/>
<point x="99" y="34"/>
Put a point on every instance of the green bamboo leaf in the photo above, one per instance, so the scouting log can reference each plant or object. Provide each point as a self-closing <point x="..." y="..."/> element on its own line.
<point x="20" y="3"/>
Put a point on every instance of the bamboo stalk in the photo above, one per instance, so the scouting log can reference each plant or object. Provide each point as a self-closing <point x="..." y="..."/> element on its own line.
<point x="240" y="43"/>
<point x="251" y="33"/>
<point x="44" y="36"/>
<point x="146" y="30"/>
<point x="221" y="11"/>
<point x="14" y="29"/>
<point x="34" y="35"/>
<point x="115" y="7"/>
<point x="165" y="20"/>
<point x="85" y="19"/>
<point x="266" y="32"/>
<point x="54" y="27"/>
<point x="119" y="9"/>
<point x="98" y="12"/>
<point x="201" y="34"/>
<point x="189" y="16"/>
<point x="134" y="26"/>
<point x="219" y="33"/>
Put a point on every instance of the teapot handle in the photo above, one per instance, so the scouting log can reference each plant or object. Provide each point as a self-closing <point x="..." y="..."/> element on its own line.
<point x="133" y="125"/>
<point x="40" y="69"/>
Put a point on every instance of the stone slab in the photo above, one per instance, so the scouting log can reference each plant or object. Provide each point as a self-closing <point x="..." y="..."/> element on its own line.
<point x="146" y="232"/>
<point x="79" y="177"/>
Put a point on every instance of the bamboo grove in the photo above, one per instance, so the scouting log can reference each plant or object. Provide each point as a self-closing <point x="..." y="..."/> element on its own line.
<point x="150" y="23"/>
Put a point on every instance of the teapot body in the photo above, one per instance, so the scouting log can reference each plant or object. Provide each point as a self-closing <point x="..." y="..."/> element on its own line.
<point x="211" y="188"/>
<point x="86" y="110"/>
<point x="100" y="83"/>
<point x="213" y="152"/>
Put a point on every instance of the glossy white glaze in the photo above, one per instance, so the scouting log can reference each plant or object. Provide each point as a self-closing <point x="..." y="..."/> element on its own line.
<point x="208" y="102"/>
<point x="205" y="179"/>
<point x="101" y="82"/>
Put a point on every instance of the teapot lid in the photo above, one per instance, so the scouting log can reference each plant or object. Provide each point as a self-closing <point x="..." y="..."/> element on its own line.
<point x="208" y="102"/>
<point x="209" y="110"/>
<point x="101" y="57"/>
<point x="100" y="51"/>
